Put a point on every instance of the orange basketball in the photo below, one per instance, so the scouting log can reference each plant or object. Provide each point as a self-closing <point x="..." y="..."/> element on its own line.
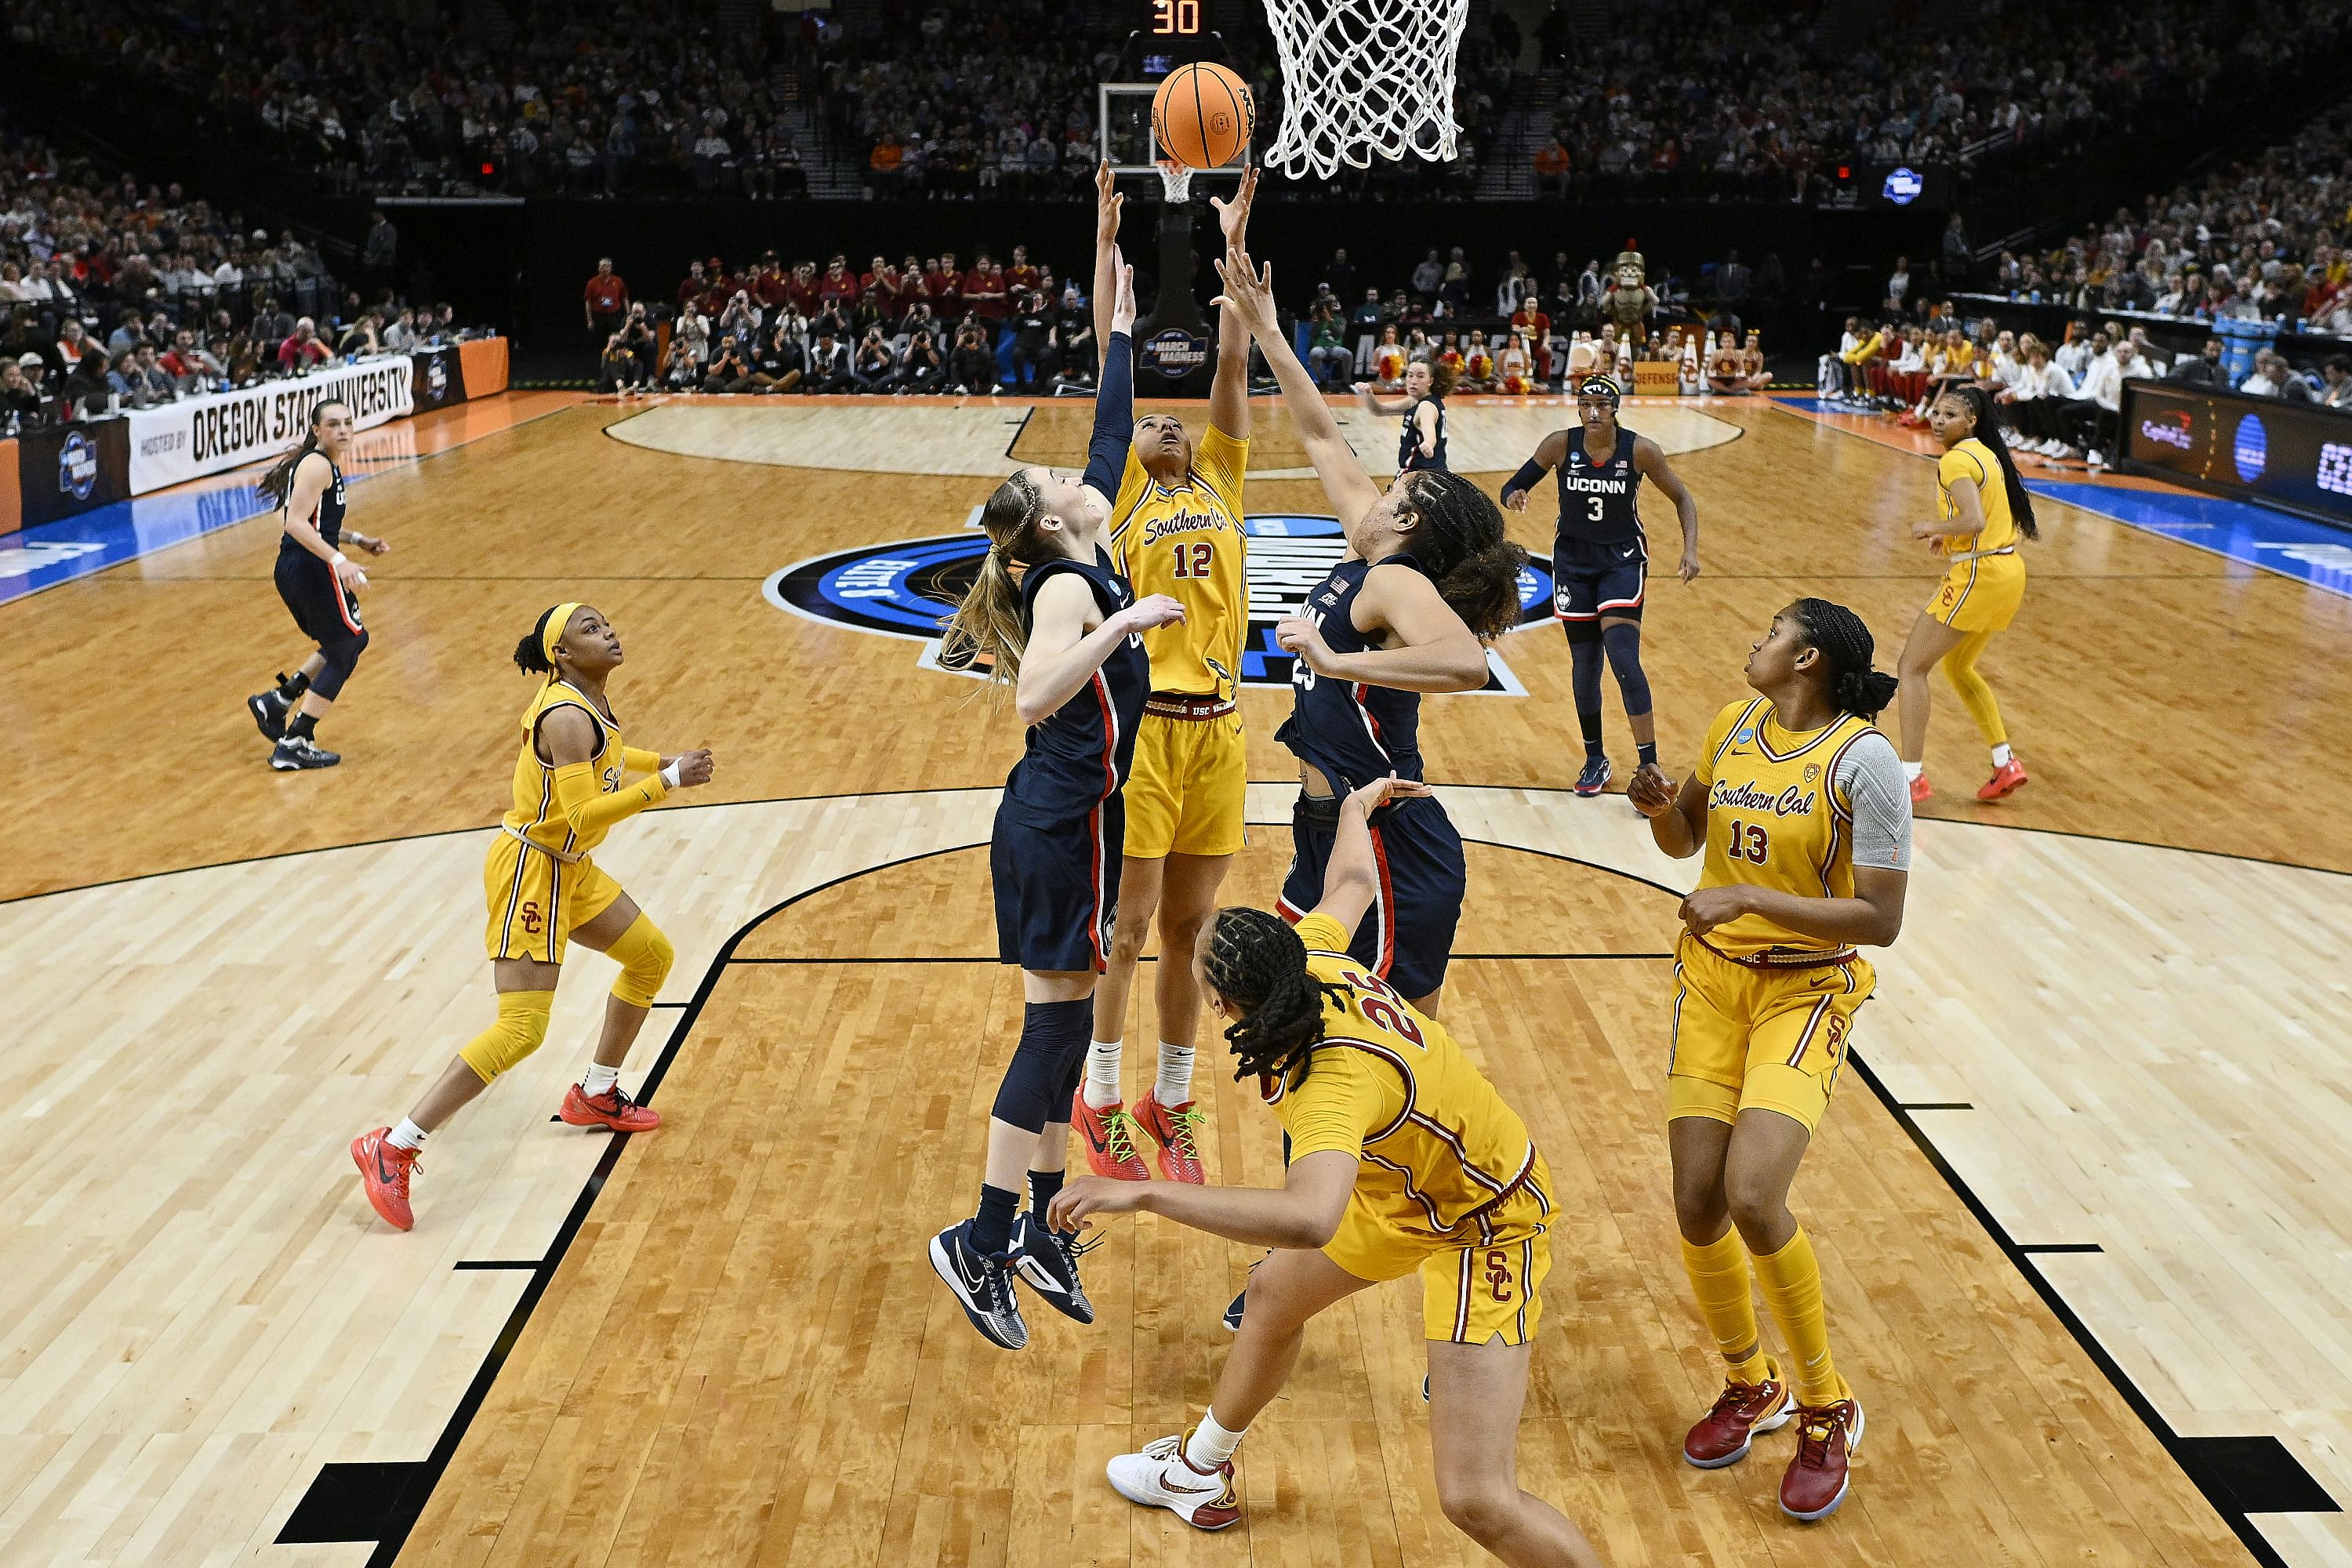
<point x="1201" y="116"/>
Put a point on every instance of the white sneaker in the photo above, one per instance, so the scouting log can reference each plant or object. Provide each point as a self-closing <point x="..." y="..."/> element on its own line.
<point x="2098" y="461"/>
<point x="1161" y="1476"/>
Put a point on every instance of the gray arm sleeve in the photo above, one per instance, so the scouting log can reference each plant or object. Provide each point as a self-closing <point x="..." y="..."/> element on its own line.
<point x="1870" y="776"/>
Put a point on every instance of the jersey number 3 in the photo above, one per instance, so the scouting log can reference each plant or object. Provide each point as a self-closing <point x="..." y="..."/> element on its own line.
<point x="1195" y="558"/>
<point x="1594" y="502"/>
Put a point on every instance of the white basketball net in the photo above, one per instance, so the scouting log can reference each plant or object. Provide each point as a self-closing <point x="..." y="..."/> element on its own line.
<point x="1364" y="78"/>
<point x="1175" y="182"/>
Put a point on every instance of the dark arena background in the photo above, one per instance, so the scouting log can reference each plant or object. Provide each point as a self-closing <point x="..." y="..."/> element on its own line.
<point x="723" y="323"/>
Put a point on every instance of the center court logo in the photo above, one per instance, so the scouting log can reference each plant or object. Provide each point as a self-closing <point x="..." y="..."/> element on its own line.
<point x="906" y="589"/>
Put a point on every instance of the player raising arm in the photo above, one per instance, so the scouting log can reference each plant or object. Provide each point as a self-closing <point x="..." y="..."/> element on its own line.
<point x="1404" y="1161"/>
<point x="1176" y="529"/>
<point x="1428" y="579"/>
<point x="1068" y="635"/>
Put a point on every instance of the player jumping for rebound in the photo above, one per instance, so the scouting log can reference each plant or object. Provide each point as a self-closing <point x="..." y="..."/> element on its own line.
<point x="1601" y="559"/>
<point x="1175" y="530"/>
<point x="1068" y="634"/>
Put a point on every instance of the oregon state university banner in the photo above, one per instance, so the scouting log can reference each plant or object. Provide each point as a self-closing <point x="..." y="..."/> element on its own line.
<point x="200" y="436"/>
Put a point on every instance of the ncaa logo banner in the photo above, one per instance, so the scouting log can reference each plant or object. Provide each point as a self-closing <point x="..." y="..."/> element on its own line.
<point x="906" y="589"/>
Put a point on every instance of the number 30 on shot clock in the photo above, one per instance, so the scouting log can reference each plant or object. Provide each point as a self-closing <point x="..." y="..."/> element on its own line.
<point x="1171" y="18"/>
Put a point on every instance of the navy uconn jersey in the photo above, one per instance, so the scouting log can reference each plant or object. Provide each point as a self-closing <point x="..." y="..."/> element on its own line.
<point x="1079" y="756"/>
<point x="1409" y="456"/>
<point x="329" y="519"/>
<point x="1351" y="733"/>
<point x="1597" y="500"/>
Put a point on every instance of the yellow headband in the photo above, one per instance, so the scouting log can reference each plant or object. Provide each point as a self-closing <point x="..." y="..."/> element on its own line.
<point x="557" y="619"/>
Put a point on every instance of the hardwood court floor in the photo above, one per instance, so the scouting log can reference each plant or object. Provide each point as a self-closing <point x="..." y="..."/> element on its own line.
<point x="745" y="1357"/>
<point x="2157" y="693"/>
<point x="195" y="1313"/>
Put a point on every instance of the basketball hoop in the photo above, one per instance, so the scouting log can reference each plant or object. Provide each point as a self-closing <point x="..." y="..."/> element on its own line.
<point x="1175" y="182"/>
<point x="1362" y="77"/>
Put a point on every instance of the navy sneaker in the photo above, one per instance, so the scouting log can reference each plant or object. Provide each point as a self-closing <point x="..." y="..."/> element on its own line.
<point x="982" y="1285"/>
<point x="297" y="753"/>
<point x="1047" y="1261"/>
<point x="1594" y="777"/>
<point x="269" y="710"/>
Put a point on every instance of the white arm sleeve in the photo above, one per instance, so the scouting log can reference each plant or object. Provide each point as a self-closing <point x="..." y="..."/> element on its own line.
<point x="1870" y="776"/>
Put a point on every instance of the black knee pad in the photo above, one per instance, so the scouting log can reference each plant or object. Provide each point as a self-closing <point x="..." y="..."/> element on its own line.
<point x="1625" y="645"/>
<point x="1045" y="1065"/>
<point x="342" y="657"/>
<point x="1582" y="634"/>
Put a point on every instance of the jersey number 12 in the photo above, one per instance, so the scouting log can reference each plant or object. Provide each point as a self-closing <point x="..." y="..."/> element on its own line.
<point x="1194" y="559"/>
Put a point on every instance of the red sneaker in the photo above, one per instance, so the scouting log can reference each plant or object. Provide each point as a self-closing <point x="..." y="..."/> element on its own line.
<point x="1111" y="1140"/>
<point x="2007" y="780"/>
<point x="1740" y="1411"/>
<point x="612" y="1109"/>
<point x="383" y="1170"/>
<point x="1921" y="790"/>
<point x="1172" y="1126"/>
<point x="1816" y="1481"/>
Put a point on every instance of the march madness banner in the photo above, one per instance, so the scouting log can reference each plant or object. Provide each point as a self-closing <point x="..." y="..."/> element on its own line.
<point x="200" y="436"/>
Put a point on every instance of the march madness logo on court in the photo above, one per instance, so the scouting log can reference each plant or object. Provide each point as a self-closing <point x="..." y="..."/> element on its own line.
<point x="907" y="588"/>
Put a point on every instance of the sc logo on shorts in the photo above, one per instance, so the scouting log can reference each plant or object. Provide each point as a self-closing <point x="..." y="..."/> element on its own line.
<point x="1499" y="1273"/>
<point x="532" y="919"/>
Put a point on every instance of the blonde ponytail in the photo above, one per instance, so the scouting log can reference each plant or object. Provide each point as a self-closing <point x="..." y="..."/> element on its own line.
<point x="988" y="622"/>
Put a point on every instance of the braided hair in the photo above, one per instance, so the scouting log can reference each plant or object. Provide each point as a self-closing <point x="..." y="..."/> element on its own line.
<point x="1256" y="960"/>
<point x="1458" y="539"/>
<point x="1987" y="430"/>
<point x="1846" y="643"/>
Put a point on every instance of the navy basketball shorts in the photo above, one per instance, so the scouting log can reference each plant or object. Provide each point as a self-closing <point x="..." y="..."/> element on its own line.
<point x="319" y="603"/>
<point x="1057" y="888"/>
<point x="1592" y="580"/>
<point x="1407" y="935"/>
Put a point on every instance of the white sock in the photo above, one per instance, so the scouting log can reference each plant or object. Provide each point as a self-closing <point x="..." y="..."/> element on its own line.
<point x="407" y="1135"/>
<point x="2000" y="755"/>
<point x="1102" y="1073"/>
<point x="598" y="1078"/>
<point x="1211" y="1445"/>
<point x="1175" y="1084"/>
<point x="1911" y="771"/>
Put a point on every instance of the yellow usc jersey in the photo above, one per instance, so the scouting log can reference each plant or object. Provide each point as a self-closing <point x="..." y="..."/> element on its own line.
<point x="1970" y="462"/>
<point x="1773" y="819"/>
<point x="535" y="814"/>
<point x="1188" y="543"/>
<point x="1437" y="1143"/>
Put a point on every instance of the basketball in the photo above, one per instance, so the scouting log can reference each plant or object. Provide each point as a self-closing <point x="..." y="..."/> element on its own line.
<point x="1202" y="116"/>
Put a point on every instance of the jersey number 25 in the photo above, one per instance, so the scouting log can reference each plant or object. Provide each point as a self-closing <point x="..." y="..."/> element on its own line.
<point x="1381" y="1004"/>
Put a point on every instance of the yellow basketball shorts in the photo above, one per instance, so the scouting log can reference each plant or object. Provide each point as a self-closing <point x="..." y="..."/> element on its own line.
<point x="1188" y="786"/>
<point x="1980" y="595"/>
<point x="1479" y="1282"/>
<point x="1759" y="1038"/>
<point x="536" y="900"/>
